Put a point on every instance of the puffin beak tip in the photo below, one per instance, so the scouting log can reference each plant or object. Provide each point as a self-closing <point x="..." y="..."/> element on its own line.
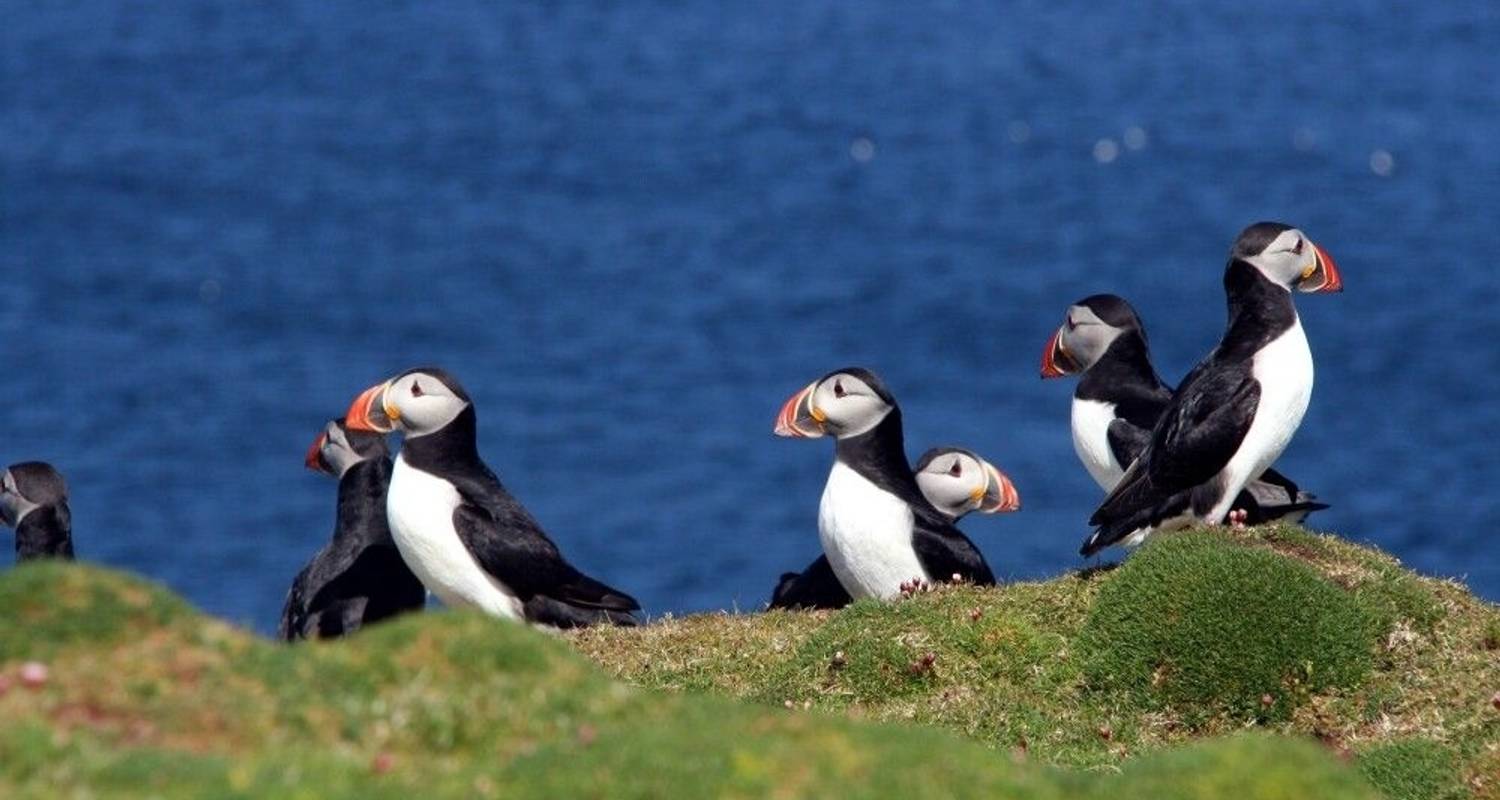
<point x="314" y="459"/>
<point x="365" y="415"/>
<point x="1054" y="356"/>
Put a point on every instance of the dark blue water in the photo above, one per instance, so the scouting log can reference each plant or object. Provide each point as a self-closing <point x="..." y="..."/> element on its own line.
<point x="633" y="229"/>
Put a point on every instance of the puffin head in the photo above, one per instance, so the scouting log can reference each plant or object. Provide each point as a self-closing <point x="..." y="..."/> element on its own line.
<point x="956" y="481"/>
<point x="416" y="402"/>
<point x="843" y="403"/>
<point x="1287" y="258"/>
<point x="1090" y="326"/>
<point x="27" y="486"/>
<point x="338" y="448"/>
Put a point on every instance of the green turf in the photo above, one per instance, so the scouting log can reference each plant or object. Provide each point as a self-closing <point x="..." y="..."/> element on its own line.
<point x="1208" y="627"/>
<point x="147" y="697"/>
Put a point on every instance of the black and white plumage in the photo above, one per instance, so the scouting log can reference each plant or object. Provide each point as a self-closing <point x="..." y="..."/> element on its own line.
<point x="1237" y="410"/>
<point x="358" y="578"/>
<point x="954" y="480"/>
<point x="464" y="536"/>
<point x="1119" y="398"/>
<point x="34" y="501"/>
<point x="877" y="529"/>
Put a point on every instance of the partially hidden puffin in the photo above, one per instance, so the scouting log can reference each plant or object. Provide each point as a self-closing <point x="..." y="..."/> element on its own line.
<point x="877" y="529"/>
<point x="1237" y="410"/>
<point x="359" y="577"/>
<point x="954" y="480"/>
<point x="466" y="538"/>
<point x="1119" y="398"/>
<point x="34" y="501"/>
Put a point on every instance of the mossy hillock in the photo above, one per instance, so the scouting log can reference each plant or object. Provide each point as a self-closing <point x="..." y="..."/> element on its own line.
<point x="956" y="692"/>
<point x="1202" y="626"/>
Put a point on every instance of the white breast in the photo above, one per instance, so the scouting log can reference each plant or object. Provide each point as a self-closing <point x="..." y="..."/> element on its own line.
<point x="866" y="534"/>
<point x="1091" y="419"/>
<point x="419" y="507"/>
<point x="1284" y="369"/>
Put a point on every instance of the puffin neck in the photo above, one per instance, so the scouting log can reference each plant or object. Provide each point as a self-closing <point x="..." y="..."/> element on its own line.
<point x="1126" y="362"/>
<point x="361" y="510"/>
<point x="45" y="533"/>
<point x="879" y="454"/>
<point x="1259" y="310"/>
<point x="453" y="446"/>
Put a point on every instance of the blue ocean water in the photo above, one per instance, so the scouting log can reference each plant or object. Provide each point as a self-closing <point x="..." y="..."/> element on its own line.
<point x="633" y="229"/>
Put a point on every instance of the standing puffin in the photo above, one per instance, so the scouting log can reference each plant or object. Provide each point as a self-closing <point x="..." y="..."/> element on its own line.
<point x="955" y="481"/>
<point x="1119" y="398"/>
<point x="358" y="578"/>
<point x="876" y="528"/>
<point x="468" y="540"/>
<point x="34" y="501"/>
<point x="1237" y="410"/>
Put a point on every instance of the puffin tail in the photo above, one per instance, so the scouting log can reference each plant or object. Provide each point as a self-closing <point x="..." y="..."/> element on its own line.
<point x="814" y="587"/>
<point x="544" y="610"/>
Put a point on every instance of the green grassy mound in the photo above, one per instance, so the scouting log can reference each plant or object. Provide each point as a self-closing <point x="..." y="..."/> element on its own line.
<point x="1363" y="653"/>
<point x="1206" y="626"/>
<point x="146" y="696"/>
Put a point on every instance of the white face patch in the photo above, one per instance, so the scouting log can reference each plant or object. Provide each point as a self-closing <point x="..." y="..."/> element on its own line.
<point x="424" y="403"/>
<point x="337" y="451"/>
<point x="953" y="482"/>
<point x="850" y="406"/>
<point x="13" y="507"/>
<point x="1085" y="336"/>
<point x="1287" y="259"/>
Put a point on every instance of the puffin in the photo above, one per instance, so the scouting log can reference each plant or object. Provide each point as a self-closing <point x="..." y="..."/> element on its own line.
<point x="1119" y="397"/>
<point x="358" y="578"/>
<point x="464" y="536"/>
<point x="877" y="530"/>
<point x="1237" y="410"/>
<point x="34" y="501"/>
<point x="954" y="480"/>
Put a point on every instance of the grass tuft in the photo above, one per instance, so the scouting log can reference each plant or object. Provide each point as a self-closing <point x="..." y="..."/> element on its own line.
<point x="1209" y="627"/>
<point x="1413" y="769"/>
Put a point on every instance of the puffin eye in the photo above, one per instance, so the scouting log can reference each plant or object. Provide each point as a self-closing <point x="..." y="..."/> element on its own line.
<point x="956" y="470"/>
<point x="1297" y="248"/>
<point x="1071" y="324"/>
<point x="416" y="389"/>
<point x="838" y="389"/>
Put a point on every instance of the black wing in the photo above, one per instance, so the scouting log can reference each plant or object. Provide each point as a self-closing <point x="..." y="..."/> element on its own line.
<point x="1196" y="436"/>
<point x="944" y="551"/>
<point x="1270" y="482"/>
<point x="1273" y="497"/>
<point x="519" y="555"/>
<point x="1127" y="441"/>
<point x="294" y="610"/>
<point x="815" y="587"/>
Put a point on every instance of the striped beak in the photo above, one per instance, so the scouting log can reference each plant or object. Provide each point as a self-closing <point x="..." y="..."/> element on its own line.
<point x="999" y="495"/>
<point x="1055" y="359"/>
<point x="372" y="411"/>
<point x="799" y="417"/>
<point x="1322" y="275"/>
<point x="314" y="460"/>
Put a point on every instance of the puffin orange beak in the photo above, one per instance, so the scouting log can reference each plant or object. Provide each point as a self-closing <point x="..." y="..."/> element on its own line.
<point x="1000" y="495"/>
<point x="370" y="411"/>
<point x="1323" y="276"/>
<point x="799" y="417"/>
<point x="314" y="460"/>
<point x="1055" y="359"/>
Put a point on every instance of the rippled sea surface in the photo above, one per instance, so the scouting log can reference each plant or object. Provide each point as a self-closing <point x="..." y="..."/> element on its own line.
<point x="633" y="229"/>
